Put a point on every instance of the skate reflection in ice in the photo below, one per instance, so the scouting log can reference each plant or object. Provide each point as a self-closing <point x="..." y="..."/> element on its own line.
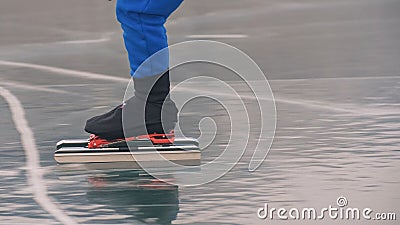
<point x="136" y="197"/>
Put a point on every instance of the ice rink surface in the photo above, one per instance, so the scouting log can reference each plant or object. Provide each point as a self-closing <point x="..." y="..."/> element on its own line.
<point x="333" y="67"/>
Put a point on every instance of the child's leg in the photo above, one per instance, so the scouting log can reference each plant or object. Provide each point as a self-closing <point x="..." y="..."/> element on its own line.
<point x="144" y="33"/>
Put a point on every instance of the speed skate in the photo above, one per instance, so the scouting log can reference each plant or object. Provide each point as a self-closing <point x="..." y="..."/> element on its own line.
<point x="134" y="150"/>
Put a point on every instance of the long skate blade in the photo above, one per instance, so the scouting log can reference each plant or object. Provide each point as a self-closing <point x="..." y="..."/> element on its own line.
<point x="84" y="142"/>
<point x="188" y="155"/>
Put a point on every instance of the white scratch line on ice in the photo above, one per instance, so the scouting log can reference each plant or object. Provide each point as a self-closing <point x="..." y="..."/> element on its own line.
<point x="32" y="87"/>
<point x="335" y="78"/>
<point x="216" y="36"/>
<point x="96" y="76"/>
<point x="329" y="106"/>
<point x="75" y="73"/>
<point x="34" y="173"/>
<point x="89" y="41"/>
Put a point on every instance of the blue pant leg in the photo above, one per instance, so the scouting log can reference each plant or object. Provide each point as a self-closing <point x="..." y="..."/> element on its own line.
<point x="144" y="33"/>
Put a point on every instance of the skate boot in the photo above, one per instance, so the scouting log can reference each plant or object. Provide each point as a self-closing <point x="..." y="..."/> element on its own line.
<point x="150" y="112"/>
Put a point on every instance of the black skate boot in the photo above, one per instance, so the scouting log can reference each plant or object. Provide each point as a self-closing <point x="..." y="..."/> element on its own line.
<point x="150" y="111"/>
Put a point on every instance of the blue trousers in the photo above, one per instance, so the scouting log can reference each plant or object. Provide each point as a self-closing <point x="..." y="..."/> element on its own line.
<point x="144" y="34"/>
